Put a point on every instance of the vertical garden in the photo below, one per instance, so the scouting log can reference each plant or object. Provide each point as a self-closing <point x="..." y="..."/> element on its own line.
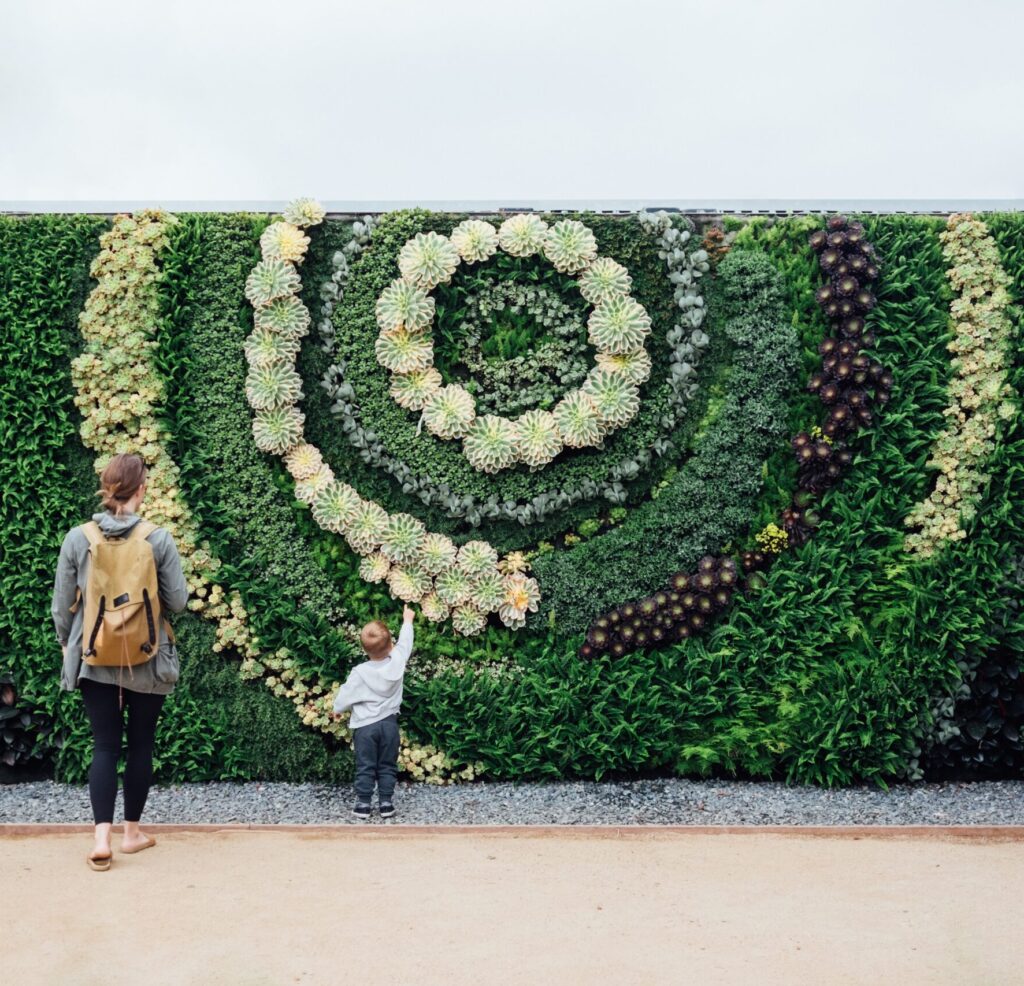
<point x="741" y="496"/>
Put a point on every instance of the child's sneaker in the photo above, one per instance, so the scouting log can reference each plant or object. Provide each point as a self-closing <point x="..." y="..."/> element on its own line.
<point x="387" y="809"/>
<point x="362" y="811"/>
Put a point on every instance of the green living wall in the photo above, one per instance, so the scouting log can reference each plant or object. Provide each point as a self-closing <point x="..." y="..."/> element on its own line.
<point x="740" y="496"/>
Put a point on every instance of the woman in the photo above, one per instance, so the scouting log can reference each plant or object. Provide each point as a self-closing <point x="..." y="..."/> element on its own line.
<point x="109" y="692"/>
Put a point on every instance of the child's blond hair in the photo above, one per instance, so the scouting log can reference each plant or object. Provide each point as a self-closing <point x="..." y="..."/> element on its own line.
<point x="376" y="640"/>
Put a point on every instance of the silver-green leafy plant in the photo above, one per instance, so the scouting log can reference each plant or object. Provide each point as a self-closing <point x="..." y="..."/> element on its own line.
<point x="270" y="385"/>
<point x="277" y="429"/>
<point x="539" y="438"/>
<point x="449" y="412"/>
<point x="578" y="420"/>
<point x="603" y="280"/>
<point x="619" y="325"/>
<point x="475" y="240"/>
<point x="403" y="304"/>
<point x="403" y="351"/>
<point x="570" y="246"/>
<point x="523" y="235"/>
<point x="271" y="279"/>
<point x="428" y="259"/>
<point x="616" y="399"/>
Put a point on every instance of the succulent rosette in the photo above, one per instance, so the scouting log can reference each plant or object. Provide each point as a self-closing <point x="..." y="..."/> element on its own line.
<point x="335" y="506"/>
<point x="271" y="279"/>
<point x="453" y="586"/>
<point x="284" y="241"/>
<point x="513" y="562"/>
<point x="578" y="420"/>
<point x="488" y="590"/>
<point x="272" y="385"/>
<point x="615" y="398"/>
<point x="475" y="240"/>
<point x="403" y="304"/>
<point x="277" y="429"/>
<point x="304" y="212"/>
<point x="403" y="538"/>
<point x="539" y="438"/>
<point x="619" y="325"/>
<point x="434" y="608"/>
<point x="635" y="366"/>
<point x="603" y="280"/>
<point x="264" y="347"/>
<point x="522" y="596"/>
<point x="491" y="443"/>
<point x="408" y="583"/>
<point x="468" y="620"/>
<point x="428" y="259"/>
<point x="449" y="412"/>
<point x="437" y="553"/>
<point x="303" y="461"/>
<point x="477" y="557"/>
<point x="413" y="390"/>
<point x="374" y="568"/>
<point x="286" y="316"/>
<point x="366" y="530"/>
<point x="306" y="489"/>
<point x="523" y="235"/>
<point x="570" y="246"/>
<point x="403" y="351"/>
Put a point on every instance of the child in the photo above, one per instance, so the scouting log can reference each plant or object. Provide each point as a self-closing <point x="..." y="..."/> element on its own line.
<point x="374" y="694"/>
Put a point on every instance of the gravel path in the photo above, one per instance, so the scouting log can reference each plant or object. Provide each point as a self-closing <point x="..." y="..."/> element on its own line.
<point x="680" y="802"/>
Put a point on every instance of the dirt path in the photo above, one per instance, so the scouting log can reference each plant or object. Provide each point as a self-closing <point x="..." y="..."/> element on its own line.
<point x="273" y="908"/>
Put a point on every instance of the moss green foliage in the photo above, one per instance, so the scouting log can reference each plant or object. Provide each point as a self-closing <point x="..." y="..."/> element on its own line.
<point x="707" y="504"/>
<point x="45" y="474"/>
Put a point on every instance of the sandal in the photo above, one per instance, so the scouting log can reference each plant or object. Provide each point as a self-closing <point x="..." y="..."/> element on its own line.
<point x="98" y="863"/>
<point x="149" y="843"/>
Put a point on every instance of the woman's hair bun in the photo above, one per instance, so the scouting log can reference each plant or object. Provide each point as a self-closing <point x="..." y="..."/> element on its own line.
<point x="120" y="480"/>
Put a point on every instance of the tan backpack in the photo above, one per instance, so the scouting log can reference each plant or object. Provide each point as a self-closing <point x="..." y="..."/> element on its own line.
<point x="122" y="600"/>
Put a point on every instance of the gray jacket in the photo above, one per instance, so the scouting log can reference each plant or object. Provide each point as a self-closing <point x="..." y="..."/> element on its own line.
<point x="156" y="676"/>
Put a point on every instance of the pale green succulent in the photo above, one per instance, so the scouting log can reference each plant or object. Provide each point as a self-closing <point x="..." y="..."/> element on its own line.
<point x="303" y="461"/>
<point x="635" y="366"/>
<point x="411" y="390"/>
<point x="475" y="240"/>
<point x="616" y="399"/>
<point x="578" y="420"/>
<point x="620" y="325"/>
<point x="449" y="412"/>
<point x="264" y="346"/>
<point x="477" y="557"/>
<point x="403" y="538"/>
<point x="285" y="316"/>
<point x="603" y="280"/>
<point x="307" y="489"/>
<point x="468" y="620"/>
<point x="428" y="259"/>
<point x="271" y="279"/>
<point x="404" y="351"/>
<point x="570" y="246"/>
<point x="488" y="590"/>
<point x="522" y="596"/>
<point x="434" y="608"/>
<point x="437" y="553"/>
<point x="403" y="304"/>
<point x="273" y="385"/>
<point x="284" y="241"/>
<point x="277" y="429"/>
<point x="335" y="506"/>
<point x="408" y="584"/>
<point x="453" y="586"/>
<point x="539" y="438"/>
<point x="304" y="212"/>
<point x="366" y="530"/>
<point x="491" y="443"/>
<point x="374" y="568"/>
<point x="523" y="235"/>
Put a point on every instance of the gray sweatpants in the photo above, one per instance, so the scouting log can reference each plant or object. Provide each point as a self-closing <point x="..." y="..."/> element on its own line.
<point x="376" y="749"/>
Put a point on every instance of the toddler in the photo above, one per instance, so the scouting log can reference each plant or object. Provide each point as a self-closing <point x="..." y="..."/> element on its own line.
<point x="373" y="692"/>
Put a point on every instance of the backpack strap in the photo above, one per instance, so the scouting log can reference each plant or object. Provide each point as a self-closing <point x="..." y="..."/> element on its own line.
<point x="92" y="533"/>
<point x="142" y="529"/>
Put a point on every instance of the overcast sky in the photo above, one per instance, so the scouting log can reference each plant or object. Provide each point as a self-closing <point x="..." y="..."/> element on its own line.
<point x="521" y="99"/>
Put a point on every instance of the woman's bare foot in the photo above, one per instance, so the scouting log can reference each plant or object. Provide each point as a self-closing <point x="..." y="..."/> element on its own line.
<point x="99" y="858"/>
<point x="135" y="840"/>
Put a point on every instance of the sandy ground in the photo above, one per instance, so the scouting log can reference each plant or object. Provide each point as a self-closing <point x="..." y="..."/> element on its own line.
<point x="674" y="908"/>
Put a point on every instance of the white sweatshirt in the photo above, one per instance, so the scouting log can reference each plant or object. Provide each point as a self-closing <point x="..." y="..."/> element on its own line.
<point x="374" y="688"/>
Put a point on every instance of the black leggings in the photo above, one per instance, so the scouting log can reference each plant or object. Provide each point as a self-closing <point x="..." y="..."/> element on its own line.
<point x="107" y="720"/>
